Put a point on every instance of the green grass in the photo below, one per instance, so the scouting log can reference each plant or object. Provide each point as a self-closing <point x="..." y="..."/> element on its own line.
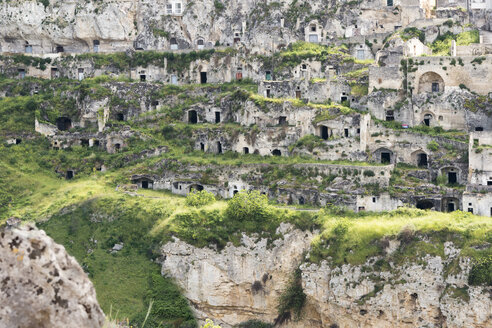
<point x="353" y="238"/>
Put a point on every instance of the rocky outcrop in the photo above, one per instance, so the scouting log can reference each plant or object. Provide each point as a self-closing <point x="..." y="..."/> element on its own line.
<point x="41" y="285"/>
<point x="244" y="283"/>
<point x="238" y="283"/>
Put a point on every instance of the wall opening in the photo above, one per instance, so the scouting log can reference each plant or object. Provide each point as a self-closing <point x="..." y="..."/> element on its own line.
<point x="298" y="94"/>
<point x="425" y="204"/>
<point x="427" y="119"/>
<point x="22" y="73"/>
<point x="28" y="49"/>
<point x="276" y="152"/>
<point x="268" y="75"/>
<point x="63" y="123"/>
<point x="431" y="82"/>
<point x="324" y="132"/>
<point x="245" y="150"/>
<point x="422" y="160"/>
<point x="69" y="175"/>
<point x="81" y="74"/>
<point x="219" y="147"/>
<point x="268" y="93"/>
<point x="192" y="117"/>
<point x="217" y="117"/>
<point x="96" y="143"/>
<point x="95" y="45"/>
<point x="346" y="133"/>
<point x="203" y="77"/>
<point x="390" y="115"/>
<point x="302" y="201"/>
<point x="202" y="146"/>
<point x="196" y="187"/>
<point x="452" y="178"/>
<point x="174" y="44"/>
<point x="143" y="77"/>
<point x="54" y="72"/>
<point x="84" y="142"/>
<point x="117" y="146"/>
<point x="478" y="128"/>
<point x="282" y="120"/>
<point x="385" y="157"/>
<point x="120" y="117"/>
<point x="59" y="49"/>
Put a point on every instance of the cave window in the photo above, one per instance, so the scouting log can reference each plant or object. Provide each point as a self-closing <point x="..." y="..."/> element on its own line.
<point x="373" y="199"/>
<point x="304" y="67"/>
<point x="358" y="131"/>
<point x="435" y="87"/>
<point x="246" y="150"/>
<point x="346" y="132"/>
<point x="276" y="152"/>
<point x="120" y="117"/>
<point x="489" y="183"/>
<point x="282" y="120"/>
<point x="202" y="146"/>
<point x="478" y="128"/>
<point x="192" y="117"/>
<point x="362" y="208"/>
<point x="470" y="210"/>
<point x="143" y="77"/>
<point x="343" y="98"/>
<point x="18" y="141"/>
<point x="313" y="28"/>
<point x="217" y="117"/>
<point x="59" y="49"/>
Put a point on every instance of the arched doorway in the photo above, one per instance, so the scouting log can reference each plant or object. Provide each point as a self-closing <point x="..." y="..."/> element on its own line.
<point x="63" y="123"/>
<point x="431" y="82"/>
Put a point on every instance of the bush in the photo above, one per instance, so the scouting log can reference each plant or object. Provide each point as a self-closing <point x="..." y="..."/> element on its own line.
<point x="247" y="206"/>
<point x="481" y="272"/>
<point x="369" y="173"/>
<point x="199" y="198"/>
<point x="433" y="146"/>
<point x="292" y="298"/>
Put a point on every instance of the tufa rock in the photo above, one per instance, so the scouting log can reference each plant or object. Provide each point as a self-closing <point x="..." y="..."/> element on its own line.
<point x="41" y="285"/>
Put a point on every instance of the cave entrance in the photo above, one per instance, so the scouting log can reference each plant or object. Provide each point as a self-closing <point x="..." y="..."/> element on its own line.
<point x="219" y="147"/>
<point x="69" y="175"/>
<point x="203" y="77"/>
<point x="192" y="117"/>
<point x="246" y="150"/>
<point x="276" y="152"/>
<point x="63" y="123"/>
<point x="385" y="158"/>
<point x="217" y="117"/>
<point x="324" y="132"/>
<point x="425" y="204"/>
<point x="422" y="160"/>
<point x="452" y="177"/>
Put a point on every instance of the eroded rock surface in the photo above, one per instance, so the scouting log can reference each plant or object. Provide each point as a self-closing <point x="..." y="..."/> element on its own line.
<point x="221" y="286"/>
<point x="41" y="285"/>
<point x="238" y="283"/>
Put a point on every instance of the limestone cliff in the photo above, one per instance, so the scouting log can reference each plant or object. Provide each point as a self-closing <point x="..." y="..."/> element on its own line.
<point x="243" y="283"/>
<point x="41" y="285"/>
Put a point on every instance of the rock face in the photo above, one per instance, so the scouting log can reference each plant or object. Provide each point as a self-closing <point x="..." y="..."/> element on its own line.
<point x="223" y="286"/>
<point x="239" y="283"/>
<point x="41" y="285"/>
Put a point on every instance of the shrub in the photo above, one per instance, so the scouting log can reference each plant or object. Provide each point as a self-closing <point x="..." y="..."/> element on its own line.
<point x="247" y="206"/>
<point x="481" y="272"/>
<point x="433" y="146"/>
<point x="292" y="298"/>
<point x="369" y="173"/>
<point x="199" y="198"/>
